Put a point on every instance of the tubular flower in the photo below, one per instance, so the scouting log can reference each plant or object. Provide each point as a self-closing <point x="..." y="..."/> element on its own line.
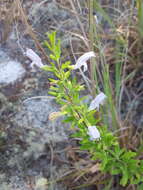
<point x="93" y="132"/>
<point x="83" y="59"/>
<point x="96" y="19"/>
<point x="100" y="99"/>
<point x="36" y="60"/>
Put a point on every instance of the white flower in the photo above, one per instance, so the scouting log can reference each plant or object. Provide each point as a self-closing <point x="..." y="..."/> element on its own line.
<point x="100" y="99"/>
<point x="83" y="59"/>
<point x="36" y="60"/>
<point x="96" y="19"/>
<point x="93" y="132"/>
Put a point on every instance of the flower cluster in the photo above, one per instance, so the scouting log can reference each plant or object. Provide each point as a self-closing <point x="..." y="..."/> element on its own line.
<point x="93" y="132"/>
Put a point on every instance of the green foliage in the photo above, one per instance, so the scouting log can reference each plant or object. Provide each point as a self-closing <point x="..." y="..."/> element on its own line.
<point x="106" y="150"/>
<point x="140" y="16"/>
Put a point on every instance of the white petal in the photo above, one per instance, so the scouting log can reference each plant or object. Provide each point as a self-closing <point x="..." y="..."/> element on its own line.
<point x="96" y="19"/>
<point x="93" y="132"/>
<point x="83" y="59"/>
<point x="36" y="60"/>
<point x="32" y="55"/>
<point x="100" y="98"/>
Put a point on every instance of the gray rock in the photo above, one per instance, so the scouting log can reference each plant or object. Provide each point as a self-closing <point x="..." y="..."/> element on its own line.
<point x="34" y="116"/>
<point x="13" y="184"/>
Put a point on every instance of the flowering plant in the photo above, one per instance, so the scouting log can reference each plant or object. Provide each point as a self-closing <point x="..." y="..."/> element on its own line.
<point x="103" y="146"/>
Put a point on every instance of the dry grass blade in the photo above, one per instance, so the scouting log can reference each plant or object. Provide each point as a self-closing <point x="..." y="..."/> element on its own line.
<point x="95" y="168"/>
<point x="78" y="19"/>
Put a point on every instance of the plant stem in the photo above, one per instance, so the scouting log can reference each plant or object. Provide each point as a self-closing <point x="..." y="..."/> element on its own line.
<point x="91" y="38"/>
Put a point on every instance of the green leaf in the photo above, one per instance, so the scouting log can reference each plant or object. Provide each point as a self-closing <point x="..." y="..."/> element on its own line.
<point x="52" y="38"/>
<point x="53" y="57"/>
<point x="81" y="121"/>
<point x="115" y="171"/>
<point x="128" y="155"/>
<point x="65" y="65"/>
<point x="52" y="93"/>
<point x="53" y="88"/>
<point x="104" y="163"/>
<point x="57" y="50"/>
<point x="47" y="45"/>
<point x="67" y="74"/>
<point x="53" y="80"/>
<point x="69" y="119"/>
<point x="47" y="68"/>
<point x="124" y="179"/>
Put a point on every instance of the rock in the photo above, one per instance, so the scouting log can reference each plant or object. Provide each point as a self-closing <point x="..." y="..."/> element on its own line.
<point x="14" y="183"/>
<point x="38" y="134"/>
<point x="33" y="116"/>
